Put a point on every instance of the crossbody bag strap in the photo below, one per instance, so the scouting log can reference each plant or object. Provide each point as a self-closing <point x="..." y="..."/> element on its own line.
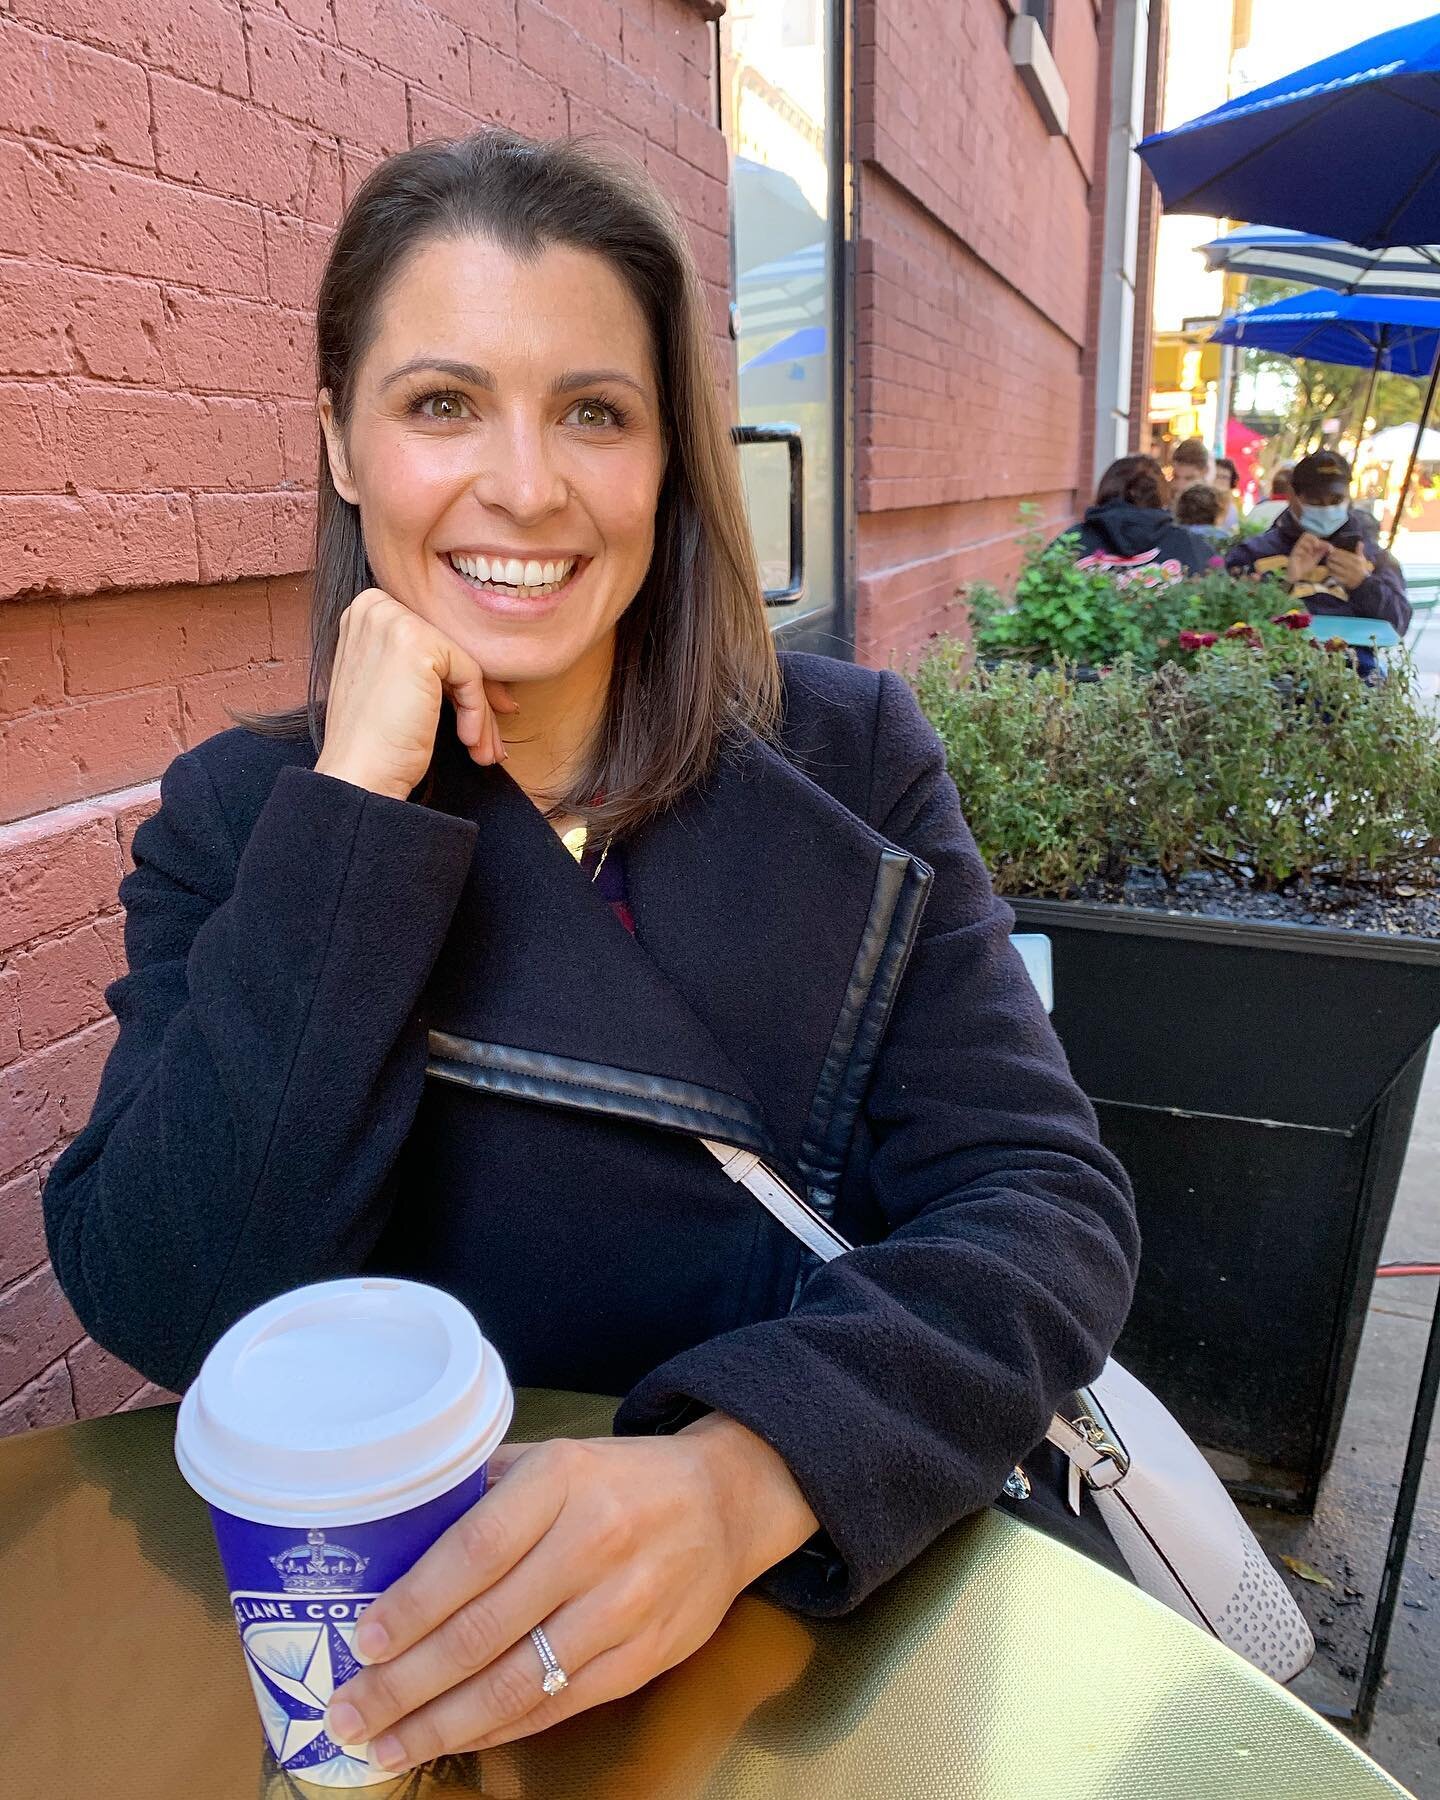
<point x="799" y="1218"/>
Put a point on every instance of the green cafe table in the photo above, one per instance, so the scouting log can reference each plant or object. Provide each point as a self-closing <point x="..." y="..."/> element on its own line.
<point x="1377" y="634"/>
<point x="999" y="1664"/>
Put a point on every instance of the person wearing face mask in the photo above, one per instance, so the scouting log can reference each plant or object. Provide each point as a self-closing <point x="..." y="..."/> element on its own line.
<point x="1325" y="550"/>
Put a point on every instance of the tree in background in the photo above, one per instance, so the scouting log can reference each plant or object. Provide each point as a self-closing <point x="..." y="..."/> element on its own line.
<point x="1320" y="391"/>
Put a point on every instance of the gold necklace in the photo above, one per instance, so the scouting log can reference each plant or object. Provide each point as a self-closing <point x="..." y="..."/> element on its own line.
<point x="575" y="841"/>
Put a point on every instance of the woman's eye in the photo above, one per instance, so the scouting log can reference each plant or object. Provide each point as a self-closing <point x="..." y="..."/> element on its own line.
<point x="594" y="413"/>
<point x="441" y="406"/>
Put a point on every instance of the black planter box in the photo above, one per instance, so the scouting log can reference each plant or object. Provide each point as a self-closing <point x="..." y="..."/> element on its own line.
<point x="1258" y="1081"/>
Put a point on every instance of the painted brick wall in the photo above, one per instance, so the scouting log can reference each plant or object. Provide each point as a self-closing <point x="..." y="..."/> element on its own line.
<point x="972" y="303"/>
<point x="170" y="175"/>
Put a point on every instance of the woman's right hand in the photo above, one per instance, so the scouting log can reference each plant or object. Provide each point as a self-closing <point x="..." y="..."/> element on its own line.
<point x="392" y="668"/>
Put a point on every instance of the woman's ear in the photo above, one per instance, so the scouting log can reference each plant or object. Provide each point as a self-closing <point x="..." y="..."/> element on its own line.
<point x="335" y="450"/>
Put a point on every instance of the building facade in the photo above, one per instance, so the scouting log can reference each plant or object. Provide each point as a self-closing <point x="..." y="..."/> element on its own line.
<point x="925" y="242"/>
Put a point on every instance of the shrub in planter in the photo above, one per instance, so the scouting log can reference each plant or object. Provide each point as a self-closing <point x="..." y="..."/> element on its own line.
<point x="1257" y="1078"/>
<point x="1094" y="617"/>
<point x="1264" y="758"/>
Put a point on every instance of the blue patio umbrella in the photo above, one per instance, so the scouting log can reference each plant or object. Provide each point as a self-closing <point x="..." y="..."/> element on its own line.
<point x="1349" y="146"/>
<point x="1282" y="255"/>
<point x="1376" y="331"/>
<point x="1386" y="331"/>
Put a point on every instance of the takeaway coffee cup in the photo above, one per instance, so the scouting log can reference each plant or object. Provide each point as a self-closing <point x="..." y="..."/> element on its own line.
<point x="335" y="1432"/>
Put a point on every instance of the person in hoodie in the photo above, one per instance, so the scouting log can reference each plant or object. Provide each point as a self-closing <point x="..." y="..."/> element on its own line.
<point x="1326" y="551"/>
<point x="1131" y="532"/>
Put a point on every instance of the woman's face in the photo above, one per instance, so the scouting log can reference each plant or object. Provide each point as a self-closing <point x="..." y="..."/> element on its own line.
<point x="505" y="449"/>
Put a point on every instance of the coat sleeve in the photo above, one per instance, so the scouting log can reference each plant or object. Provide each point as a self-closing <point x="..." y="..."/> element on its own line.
<point x="1383" y="595"/>
<point x="269" y="1060"/>
<point x="1240" y="558"/>
<point x="913" y="1373"/>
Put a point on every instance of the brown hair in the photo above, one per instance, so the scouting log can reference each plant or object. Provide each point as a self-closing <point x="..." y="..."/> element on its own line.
<point x="695" y="664"/>
<point x="1199" y="505"/>
<point x="1280" y="486"/>
<point x="1193" y="452"/>
<point x="1137" y="479"/>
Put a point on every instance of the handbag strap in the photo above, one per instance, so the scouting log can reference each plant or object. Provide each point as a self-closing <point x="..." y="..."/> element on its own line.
<point x="781" y="1202"/>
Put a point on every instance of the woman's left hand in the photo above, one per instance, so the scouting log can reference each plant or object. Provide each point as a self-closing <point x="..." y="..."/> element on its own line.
<point x="629" y="1551"/>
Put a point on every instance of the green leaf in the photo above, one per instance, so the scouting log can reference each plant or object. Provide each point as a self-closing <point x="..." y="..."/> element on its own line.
<point x="1306" y="1571"/>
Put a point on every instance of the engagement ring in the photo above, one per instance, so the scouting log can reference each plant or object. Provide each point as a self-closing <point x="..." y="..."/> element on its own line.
<point x="555" y="1677"/>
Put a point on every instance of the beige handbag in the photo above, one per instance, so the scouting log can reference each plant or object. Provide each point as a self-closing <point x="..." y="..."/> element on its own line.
<point x="1172" y="1521"/>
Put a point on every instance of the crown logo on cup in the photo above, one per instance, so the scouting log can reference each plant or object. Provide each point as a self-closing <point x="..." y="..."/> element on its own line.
<point x="316" y="1567"/>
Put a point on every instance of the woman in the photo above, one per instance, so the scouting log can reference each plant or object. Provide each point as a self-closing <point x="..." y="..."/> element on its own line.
<point x="377" y="1018"/>
<point x="1129" y="530"/>
<point x="1227" y="485"/>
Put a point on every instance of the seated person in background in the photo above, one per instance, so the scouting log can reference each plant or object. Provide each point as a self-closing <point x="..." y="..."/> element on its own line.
<point x="1266" y="512"/>
<point x="1190" y="464"/>
<point x="1199" y="509"/>
<point x="1130" y="531"/>
<point x="1325" y="550"/>
<point x="1227" y="485"/>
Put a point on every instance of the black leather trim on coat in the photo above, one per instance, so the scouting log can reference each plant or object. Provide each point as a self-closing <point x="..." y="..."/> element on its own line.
<point x="659" y="1100"/>
<point x="902" y="883"/>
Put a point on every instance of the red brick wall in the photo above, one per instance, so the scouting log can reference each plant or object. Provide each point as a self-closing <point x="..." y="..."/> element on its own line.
<point x="170" y="174"/>
<point x="972" y="303"/>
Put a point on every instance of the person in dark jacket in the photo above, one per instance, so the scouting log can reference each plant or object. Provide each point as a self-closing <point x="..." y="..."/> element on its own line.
<point x="561" y="871"/>
<point x="1130" y="531"/>
<point x="1326" y="551"/>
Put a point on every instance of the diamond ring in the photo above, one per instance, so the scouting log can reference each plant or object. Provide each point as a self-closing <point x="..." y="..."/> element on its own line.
<point x="555" y="1679"/>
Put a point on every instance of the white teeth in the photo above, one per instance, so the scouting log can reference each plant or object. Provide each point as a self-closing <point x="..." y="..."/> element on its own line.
<point x="530" y="577"/>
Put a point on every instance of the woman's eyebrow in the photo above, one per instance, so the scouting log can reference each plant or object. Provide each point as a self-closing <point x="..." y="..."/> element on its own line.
<point x="470" y="373"/>
<point x="579" y="378"/>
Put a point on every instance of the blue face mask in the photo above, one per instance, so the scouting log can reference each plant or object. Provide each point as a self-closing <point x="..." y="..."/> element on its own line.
<point x="1324" y="521"/>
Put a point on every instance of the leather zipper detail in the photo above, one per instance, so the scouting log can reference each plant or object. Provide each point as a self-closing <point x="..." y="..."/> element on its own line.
<point x="579" y="1086"/>
<point x="902" y="884"/>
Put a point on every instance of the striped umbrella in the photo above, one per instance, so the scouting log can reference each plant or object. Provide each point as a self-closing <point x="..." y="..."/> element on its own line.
<point x="1326" y="262"/>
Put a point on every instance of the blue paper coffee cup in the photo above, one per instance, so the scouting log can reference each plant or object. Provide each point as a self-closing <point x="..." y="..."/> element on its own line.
<point x="335" y="1433"/>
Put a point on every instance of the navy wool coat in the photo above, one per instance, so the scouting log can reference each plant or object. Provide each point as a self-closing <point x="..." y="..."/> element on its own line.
<point x="364" y="1034"/>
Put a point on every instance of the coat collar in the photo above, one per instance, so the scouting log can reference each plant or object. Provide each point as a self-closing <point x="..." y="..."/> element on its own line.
<point x="772" y="928"/>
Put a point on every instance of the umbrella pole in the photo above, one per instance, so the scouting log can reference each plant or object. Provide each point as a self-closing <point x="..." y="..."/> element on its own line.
<point x="1415" y="453"/>
<point x="1370" y="388"/>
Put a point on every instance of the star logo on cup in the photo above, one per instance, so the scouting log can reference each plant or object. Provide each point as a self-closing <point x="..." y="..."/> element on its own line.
<point x="294" y="1670"/>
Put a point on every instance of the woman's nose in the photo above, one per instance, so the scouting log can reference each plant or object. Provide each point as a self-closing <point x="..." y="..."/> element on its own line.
<point x="519" y="474"/>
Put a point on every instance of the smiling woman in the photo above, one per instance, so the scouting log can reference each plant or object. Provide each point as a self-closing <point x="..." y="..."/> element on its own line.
<point x="378" y="1020"/>
<point x="523" y="448"/>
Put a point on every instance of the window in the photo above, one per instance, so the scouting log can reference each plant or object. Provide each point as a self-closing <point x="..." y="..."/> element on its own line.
<point x="1040" y="11"/>
<point x="797" y="24"/>
<point x="1031" y="55"/>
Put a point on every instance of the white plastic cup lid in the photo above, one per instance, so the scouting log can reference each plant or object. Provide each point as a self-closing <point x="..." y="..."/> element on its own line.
<point x="343" y="1402"/>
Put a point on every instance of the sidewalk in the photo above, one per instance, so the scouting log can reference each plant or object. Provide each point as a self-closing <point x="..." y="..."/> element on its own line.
<point x="1419" y="554"/>
<point x="1346" y="1538"/>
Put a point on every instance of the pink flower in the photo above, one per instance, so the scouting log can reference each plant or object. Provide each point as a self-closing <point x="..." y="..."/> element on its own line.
<point x="1216" y="562"/>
